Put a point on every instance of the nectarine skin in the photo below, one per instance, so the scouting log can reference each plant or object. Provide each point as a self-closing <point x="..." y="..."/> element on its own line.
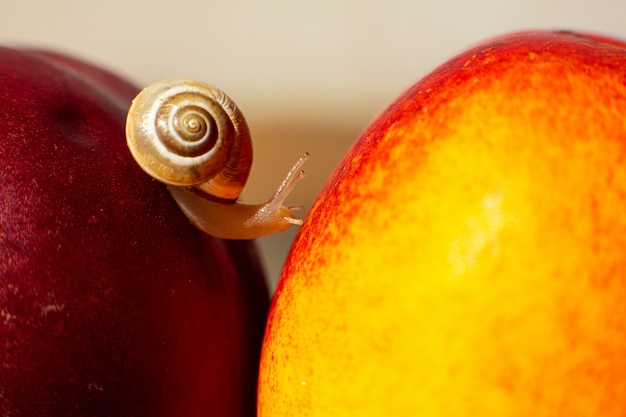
<point x="111" y="302"/>
<point x="468" y="255"/>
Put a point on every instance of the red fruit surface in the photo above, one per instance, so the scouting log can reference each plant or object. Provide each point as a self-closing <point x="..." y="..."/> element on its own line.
<point x="111" y="303"/>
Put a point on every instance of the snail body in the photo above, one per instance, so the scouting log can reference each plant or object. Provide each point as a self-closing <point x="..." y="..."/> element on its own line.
<point x="192" y="137"/>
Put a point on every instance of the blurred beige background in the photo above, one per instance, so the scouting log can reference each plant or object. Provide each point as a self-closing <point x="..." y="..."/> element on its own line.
<point x="309" y="76"/>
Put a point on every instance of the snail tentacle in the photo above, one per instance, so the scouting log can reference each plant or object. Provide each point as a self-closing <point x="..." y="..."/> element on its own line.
<point x="241" y="220"/>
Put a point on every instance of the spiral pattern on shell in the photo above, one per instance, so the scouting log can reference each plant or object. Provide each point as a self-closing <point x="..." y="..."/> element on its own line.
<point x="183" y="132"/>
<point x="185" y="128"/>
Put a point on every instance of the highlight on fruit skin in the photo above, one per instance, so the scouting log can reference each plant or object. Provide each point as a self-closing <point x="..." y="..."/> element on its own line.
<point x="191" y="136"/>
<point x="468" y="255"/>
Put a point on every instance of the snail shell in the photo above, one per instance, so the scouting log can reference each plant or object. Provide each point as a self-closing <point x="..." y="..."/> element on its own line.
<point x="192" y="137"/>
<point x="187" y="133"/>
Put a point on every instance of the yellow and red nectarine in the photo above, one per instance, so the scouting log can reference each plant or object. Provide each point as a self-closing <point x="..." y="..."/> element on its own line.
<point x="468" y="256"/>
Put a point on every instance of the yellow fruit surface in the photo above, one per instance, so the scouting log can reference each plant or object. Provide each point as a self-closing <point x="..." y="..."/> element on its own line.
<point x="468" y="256"/>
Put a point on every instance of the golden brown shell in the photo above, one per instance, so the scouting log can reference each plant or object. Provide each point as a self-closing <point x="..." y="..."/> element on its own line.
<point x="187" y="133"/>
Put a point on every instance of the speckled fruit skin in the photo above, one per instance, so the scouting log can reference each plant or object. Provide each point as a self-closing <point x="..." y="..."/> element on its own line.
<point x="468" y="255"/>
<point x="111" y="303"/>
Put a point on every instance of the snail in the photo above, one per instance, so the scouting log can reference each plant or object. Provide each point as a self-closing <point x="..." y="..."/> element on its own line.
<point x="192" y="137"/>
